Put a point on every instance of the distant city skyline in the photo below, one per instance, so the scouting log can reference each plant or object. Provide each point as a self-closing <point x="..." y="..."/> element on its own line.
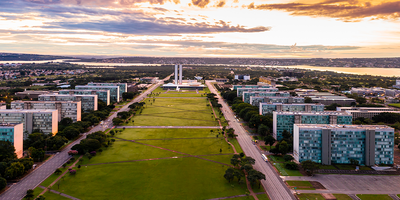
<point x="202" y="28"/>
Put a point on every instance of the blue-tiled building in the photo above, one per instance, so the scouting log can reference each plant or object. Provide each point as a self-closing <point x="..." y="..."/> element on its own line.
<point x="246" y="95"/>
<point x="103" y="95"/>
<point x="114" y="90"/>
<point x="13" y="133"/>
<point x="268" y="108"/>
<point x="256" y="100"/>
<point x="123" y="87"/>
<point x="285" y="120"/>
<point x="329" y="144"/>
<point x="240" y="91"/>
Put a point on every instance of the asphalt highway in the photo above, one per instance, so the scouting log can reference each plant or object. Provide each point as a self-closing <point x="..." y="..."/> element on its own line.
<point x="273" y="184"/>
<point x="31" y="181"/>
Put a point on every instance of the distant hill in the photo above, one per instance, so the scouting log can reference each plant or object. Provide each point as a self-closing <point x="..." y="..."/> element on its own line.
<point x="28" y="57"/>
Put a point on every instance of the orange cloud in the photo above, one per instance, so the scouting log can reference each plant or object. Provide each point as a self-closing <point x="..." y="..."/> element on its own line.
<point x="201" y="3"/>
<point x="345" y="10"/>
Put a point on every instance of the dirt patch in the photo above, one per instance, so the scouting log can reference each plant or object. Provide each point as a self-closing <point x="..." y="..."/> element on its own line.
<point x="317" y="185"/>
<point x="328" y="196"/>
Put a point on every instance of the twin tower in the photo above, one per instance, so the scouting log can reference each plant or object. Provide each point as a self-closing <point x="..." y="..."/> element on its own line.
<point x="176" y="75"/>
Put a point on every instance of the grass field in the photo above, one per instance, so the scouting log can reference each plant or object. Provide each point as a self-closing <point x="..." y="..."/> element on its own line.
<point x="182" y="93"/>
<point x="309" y="196"/>
<point x="191" y="178"/>
<point x="236" y="145"/>
<point x="262" y="197"/>
<point x="278" y="162"/>
<point x="301" y="185"/>
<point x="342" y="197"/>
<point x="147" y="133"/>
<point x="395" y="105"/>
<point x="175" y="112"/>
<point x="374" y="197"/>
<point x="53" y="196"/>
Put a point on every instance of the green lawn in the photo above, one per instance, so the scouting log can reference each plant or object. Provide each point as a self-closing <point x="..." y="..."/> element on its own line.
<point x="342" y="197"/>
<point x="182" y="93"/>
<point x="194" y="146"/>
<point x="157" y="133"/>
<point x="286" y="172"/>
<point x="220" y="158"/>
<point x="236" y="145"/>
<point x="125" y="151"/>
<point x="374" y="197"/>
<point x="327" y="167"/>
<point x="276" y="159"/>
<point x="309" y="196"/>
<point x="53" y="196"/>
<point x="395" y="105"/>
<point x="52" y="178"/>
<point x="175" y="112"/>
<point x="243" y="198"/>
<point x="191" y="178"/>
<point x="301" y="185"/>
<point x="262" y="197"/>
<point x="266" y="148"/>
<point x="37" y="191"/>
<point x="346" y="167"/>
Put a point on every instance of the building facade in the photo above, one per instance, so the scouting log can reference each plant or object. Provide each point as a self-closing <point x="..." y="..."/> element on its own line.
<point x="330" y="144"/>
<point x="71" y="109"/>
<point x="103" y="95"/>
<point x="235" y="87"/>
<point x="256" y="100"/>
<point x="45" y="121"/>
<point x="88" y="102"/>
<point x="244" y="77"/>
<point x="240" y="91"/>
<point x="285" y="120"/>
<point x="246" y="95"/>
<point x="123" y="87"/>
<point x="13" y="133"/>
<point x="114" y="90"/>
<point x="268" y="108"/>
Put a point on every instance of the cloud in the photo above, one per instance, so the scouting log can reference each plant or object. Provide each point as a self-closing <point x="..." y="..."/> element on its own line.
<point x="110" y="3"/>
<point x="220" y="4"/>
<point x="345" y="10"/>
<point x="164" y="26"/>
<point x="200" y="3"/>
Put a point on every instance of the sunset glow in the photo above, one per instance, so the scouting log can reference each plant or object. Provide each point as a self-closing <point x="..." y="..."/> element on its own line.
<point x="234" y="28"/>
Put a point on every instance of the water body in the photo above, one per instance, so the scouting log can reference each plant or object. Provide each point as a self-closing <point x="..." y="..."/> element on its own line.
<point x="388" y="72"/>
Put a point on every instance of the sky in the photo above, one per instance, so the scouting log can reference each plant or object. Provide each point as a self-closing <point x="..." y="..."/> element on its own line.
<point x="202" y="28"/>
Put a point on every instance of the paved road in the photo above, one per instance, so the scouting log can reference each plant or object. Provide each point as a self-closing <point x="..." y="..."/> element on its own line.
<point x="273" y="184"/>
<point x="208" y="127"/>
<point x="18" y="190"/>
<point x="353" y="184"/>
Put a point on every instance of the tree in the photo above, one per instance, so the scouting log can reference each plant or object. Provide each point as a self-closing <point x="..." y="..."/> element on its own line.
<point x="58" y="171"/>
<point x="354" y="162"/>
<point x="286" y="135"/>
<point x="3" y="167"/>
<point x="263" y="130"/>
<point x="229" y="174"/>
<point x="309" y="166"/>
<point x="234" y="161"/>
<point x="307" y="100"/>
<point x="254" y="176"/>
<point x="238" y="174"/>
<point x="70" y="132"/>
<point x="15" y="170"/>
<point x="127" y="95"/>
<point x="66" y="121"/>
<point x="90" y="144"/>
<point x="41" y="197"/>
<point x="332" y="106"/>
<point x="270" y="140"/>
<point x="247" y="167"/>
<point x="29" y="194"/>
<point x="3" y="183"/>
<point x="117" y="121"/>
<point x="7" y="151"/>
<point x="36" y="154"/>
<point x="283" y="147"/>
<point x="248" y="160"/>
<point x="291" y="165"/>
<point x="288" y="158"/>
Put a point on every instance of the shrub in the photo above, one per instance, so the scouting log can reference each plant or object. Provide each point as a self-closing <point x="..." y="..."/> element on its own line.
<point x="72" y="172"/>
<point x="93" y="153"/>
<point x="288" y="158"/>
<point x="72" y="152"/>
<point x="291" y="165"/>
<point x="72" y="159"/>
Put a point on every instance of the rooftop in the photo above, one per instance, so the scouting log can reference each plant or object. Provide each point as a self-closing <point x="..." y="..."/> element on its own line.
<point x="344" y="113"/>
<point x="10" y="125"/>
<point x="27" y="111"/>
<point x="337" y="126"/>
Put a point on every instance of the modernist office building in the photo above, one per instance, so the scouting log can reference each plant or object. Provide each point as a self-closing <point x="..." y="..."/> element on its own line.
<point x="268" y="108"/>
<point x="241" y="90"/>
<point x="246" y="95"/>
<point x="13" y="133"/>
<point x="256" y="100"/>
<point x="285" y="120"/>
<point x="88" y="102"/>
<point x="114" y="90"/>
<point x="103" y="95"/>
<point x="327" y="144"/>
<point x="71" y="109"/>
<point x="235" y="87"/>
<point x="45" y="121"/>
<point x="123" y="87"/>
